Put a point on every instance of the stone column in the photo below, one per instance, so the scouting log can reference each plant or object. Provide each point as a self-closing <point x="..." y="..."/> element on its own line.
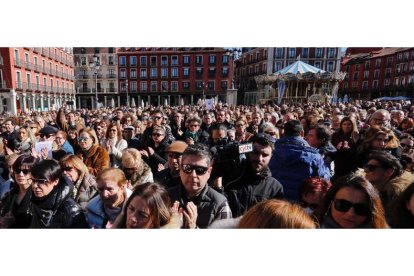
<point x="41" y="103"/>
<point x="48" y="102"/>
<point x="149" y="99"/>
<point x="159" y="100"/>
<point x="12" y="102"/>
<point x="23" y="101"/>
<point x="169" y="100"/>
<point x="119" y="101"/>
<point x="105" y="101"/>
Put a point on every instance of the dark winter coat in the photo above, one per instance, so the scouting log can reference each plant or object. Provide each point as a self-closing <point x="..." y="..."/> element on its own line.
<point x="58" y="209"/>
<point x="21" y="212"/>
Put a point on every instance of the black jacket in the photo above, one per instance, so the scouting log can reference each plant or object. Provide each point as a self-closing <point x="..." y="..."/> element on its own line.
<point x="209" y="202"/>
<point x="21" y="212"/>
<point x="165" y="178"/>
<point x="58" y="209"/>
<point x="250" y="189"/>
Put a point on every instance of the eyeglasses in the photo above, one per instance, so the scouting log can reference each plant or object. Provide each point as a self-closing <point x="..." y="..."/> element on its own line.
<point x="46" y="135"/>
<point x="270" y="133"/>
<point x="113" y="130"/>
<point x="25" y="171"/>
<point x="194" y="125"/>
<point x="157" y="134"/>
<point x="371" y="168"/>
<point x="157" y="118"/>
<point x="83" y="139"/>
<point x="406" y="146"/>
<point x="59" y="138"/>
<point x="39" y="181"/>
<point x="343" y="205"/>
<point x="188" y="169"/>
<point x="281" y="127"/>
<point x="239" y="125"/>
<point x="67" y="169"/>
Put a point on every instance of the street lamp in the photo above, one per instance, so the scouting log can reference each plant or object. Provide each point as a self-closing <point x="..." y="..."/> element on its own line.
<point x="96" y="66"/>
<point x="127" y="93"/>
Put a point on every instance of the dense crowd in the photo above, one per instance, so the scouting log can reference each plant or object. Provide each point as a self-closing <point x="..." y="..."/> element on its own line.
<point x="314" y="165"/>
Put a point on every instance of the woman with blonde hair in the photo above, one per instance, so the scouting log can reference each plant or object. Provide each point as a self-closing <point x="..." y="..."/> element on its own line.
<point x="276" y="213"/>
<point x="136" y="170"/>
<point x="84" y="184"/>
<point x="95" y="157"/>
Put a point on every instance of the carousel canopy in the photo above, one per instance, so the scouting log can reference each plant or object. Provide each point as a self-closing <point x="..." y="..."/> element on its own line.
<point x="299" y="67"/>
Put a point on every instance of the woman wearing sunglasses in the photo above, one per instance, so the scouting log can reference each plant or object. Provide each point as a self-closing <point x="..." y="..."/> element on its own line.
<point x="352" y="202"/>
<point x="15" y="206"/>
<point x="85" y="187"/>
<point x="94" y="156"/>
<point x="52" y="202"/>
<point x="154" y="155"/>
<point x="114" y="144"/>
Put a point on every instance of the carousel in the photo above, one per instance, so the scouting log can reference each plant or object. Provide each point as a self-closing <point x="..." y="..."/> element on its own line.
<point x="298" y="83"/>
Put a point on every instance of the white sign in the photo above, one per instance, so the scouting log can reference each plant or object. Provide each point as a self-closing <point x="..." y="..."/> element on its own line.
<point x="209" y="104"/>
<point x="246" y="148"/>
<point x="316" y="98"/>
<point x="44" y="144"/>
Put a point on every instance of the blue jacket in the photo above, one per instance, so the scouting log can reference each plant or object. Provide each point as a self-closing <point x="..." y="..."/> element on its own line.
<point x="293" y="161"/>
<point x="67" y="147"/>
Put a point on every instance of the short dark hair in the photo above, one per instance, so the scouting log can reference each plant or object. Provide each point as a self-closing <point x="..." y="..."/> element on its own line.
<point x="262" y="140"/>
<point x="387" y="161"/>
<point x="199" y="150"/>
<point x="322" y="133"/>
<point x="47" y="169"/>
<point x="293" y="128"/>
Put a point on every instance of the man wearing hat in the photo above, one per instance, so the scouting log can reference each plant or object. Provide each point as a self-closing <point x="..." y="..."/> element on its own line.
<point x="170" y="176"/>
<point x="128" y="133"/>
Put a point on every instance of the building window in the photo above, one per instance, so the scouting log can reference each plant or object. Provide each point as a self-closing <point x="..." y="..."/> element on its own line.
<point x="122" y="61"/>
<point x="164" y="72"/>
<point x="210" y="85"/>
<point x="224" y="84"/>
<point x="143" y="73"/>
<point x="199" y="72"/>
<point x="153" y="61"/>
<point x="305" y="52"/>
<point x="331" y="52"/>
<point x="318" y="53"/>
<point x="212" y="59"/>
<point x="367" y="65"/>
<point x="164" y="86"/>
<point x="133" y="86"/>
<point x="225" y="59"/>
<point x="153" y="86"/>
<point x="133" y="73"/>
<point x="186" y="85"/>
<point x="376" y="74"/>
<point x="366" y="75"/>
<point x="345" y="85"/>
<point x="212" y="72"/>
<point x="174" y="86"/>
<point x="364" y="85"/>
<point x="389" y="62"/>
<point x="256" y="69"/>
<point x="164" y="61"/>
<point x="257" y="56"/>
<point x="278" y="66"/>
<point x="174" y="72"/>
<point x="143" y="61"/>
<point x="153" y="72"/>
<point x="111" y="60"/>
<point x="318" y="64"/>
<point x="186" y="72"/>
<point x="355" y="76"/>
<point x="133" y="61"/>
<point x="144" y="86"/>
<point x="264" y="68"/>
<point x="174" y="60"/>
<point x="377" y="63"/>
<point x="122" y="74"/>
<point x="199" y="60"/>
<point x="225" y="71"/>
<point x="186" y="60"/>
<point x="292" y="52"/>
<point x="279" y="52"/>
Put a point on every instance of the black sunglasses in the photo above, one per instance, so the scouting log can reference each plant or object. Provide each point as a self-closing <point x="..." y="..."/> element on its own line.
<point x="371" y="168"/>
<point x="25" y="171"/>
<point x="157" y="134"/>
<point x="188" y="169"/>
<point x="361" y="209"/>
<point x="46" y="135"/>
<point x="405" y="146"/>
<point x="67" y="169"/>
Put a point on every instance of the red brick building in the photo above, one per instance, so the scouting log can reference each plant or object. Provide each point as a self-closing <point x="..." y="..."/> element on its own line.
<point x="378" y="73"/>
<point x="174" y="75"/>
<point x="35" y="78"/>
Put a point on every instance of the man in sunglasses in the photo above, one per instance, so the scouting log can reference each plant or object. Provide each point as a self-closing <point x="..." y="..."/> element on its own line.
<point x="256" y="183"/>
<point x="157" y="118"/>
<point x="170" y="176"/>
<point x="385" y="172"/>
<point x="201" y="204"/>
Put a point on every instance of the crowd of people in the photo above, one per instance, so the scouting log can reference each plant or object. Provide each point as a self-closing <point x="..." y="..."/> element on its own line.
<point x="313" y="165"/>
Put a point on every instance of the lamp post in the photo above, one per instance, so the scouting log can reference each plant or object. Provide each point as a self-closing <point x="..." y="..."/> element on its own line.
<point x="96" y="66"/>
<point x="127" y="93"/>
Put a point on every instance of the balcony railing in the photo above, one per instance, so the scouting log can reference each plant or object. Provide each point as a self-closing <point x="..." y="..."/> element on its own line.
<point x="111" y="76"/>
<point x="17" y="62"/>
<point x="3" y="85"/>
<point x="19" y="85"/>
